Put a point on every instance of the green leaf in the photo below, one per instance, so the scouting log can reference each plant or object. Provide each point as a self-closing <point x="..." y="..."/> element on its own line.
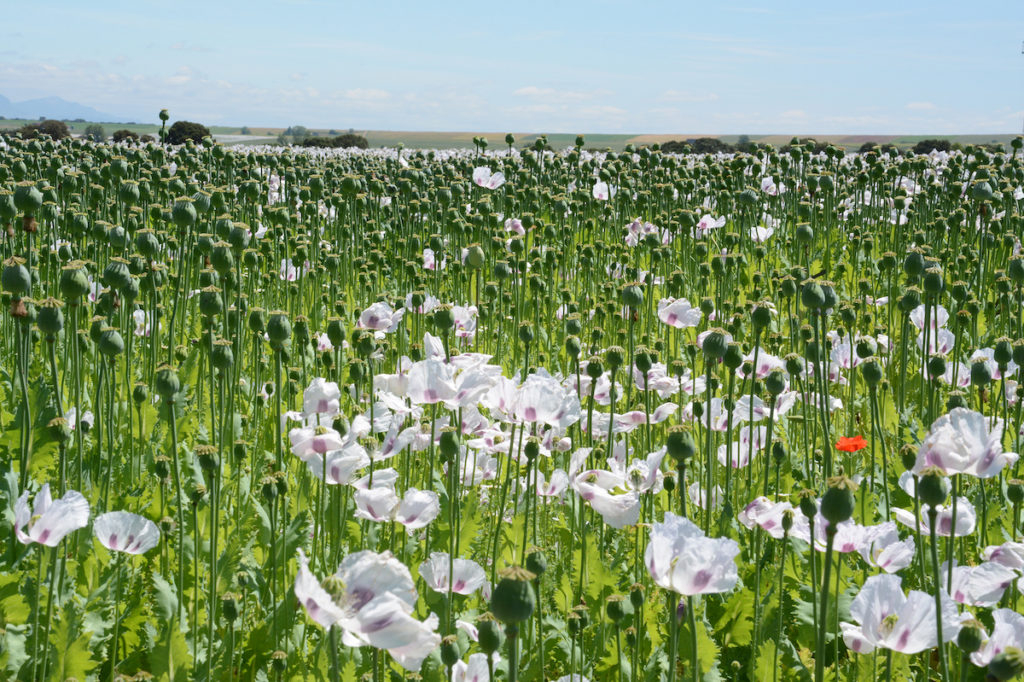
<point x="166" y="598"/>
<point x="12" y="653"/>
<point x="736" y="623"/>
<point x="74" y="659"/>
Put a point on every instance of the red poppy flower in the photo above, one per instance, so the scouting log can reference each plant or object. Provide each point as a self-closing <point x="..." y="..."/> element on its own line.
<point x="851" y="444"/>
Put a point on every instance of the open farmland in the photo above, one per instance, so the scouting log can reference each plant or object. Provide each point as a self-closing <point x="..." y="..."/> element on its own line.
<point x="272" y="414"/>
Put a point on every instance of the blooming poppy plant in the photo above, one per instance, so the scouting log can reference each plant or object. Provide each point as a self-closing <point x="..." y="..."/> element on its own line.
<point x="851" y="444"/>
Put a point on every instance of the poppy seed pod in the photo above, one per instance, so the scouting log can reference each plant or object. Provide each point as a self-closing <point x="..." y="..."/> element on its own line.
<point x="449" y="651"/>
<point x="222" y="356"/>
<point x="15" y="277"/>
<point x="1002" y="352"/>
<point x="110" y="342"/>
<point x="615" y="356"/>
<point x="633" y="295"/>
<point x="513" y="600"/>
<point x="715" y="344"/>
<point x="1007" y="664"/>
<point x="981" y="374"/>
<point x="50" y="318"/>
<point x="183" y="212"/>
<point x="167" y="383"/>
<point x="872" y="372"/>
<point x="279" y="329"/>
<point x="643" y="359"/>
<point x="536" y="563"/>
<point x="807" y="504"/>
<point x="27" y="198"/>
<point x="837" y="503"/>
<point x="733" y="356"/>
<point x="812" y="296"/>
<point x="679" y="444"/>
<point x="449" y="443"/>
<point x="761" y="316"/>
<point x="775" y="382"/>
<point x="444" y="318"/>
<point x="931" y="488"/>
<point x="933" y="282"/>
<point x="1015" y="490"/>
<point x="489" y="634"/>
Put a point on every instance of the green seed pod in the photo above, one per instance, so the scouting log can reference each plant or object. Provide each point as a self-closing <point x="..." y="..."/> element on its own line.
<point x="1015" y="490"/>
<point x="536" y="563"/>
<point x="222" y="356"/>
<point x="715" y="344"/>
<point x="981" y="374"/>
<point x="872" y="372"/>
<point x="15" y="277"/>
<point x="837" y="503"/>
<point x="513" y="600"/>
<point x="279" y="330"/>
<point x="167" y="384"/>
<point x="490" y="635"/>
<point x="633" y="295"/>
<point x="931" y="487"/>
<point x="27" y="198"/>
<point x="449" y="443"/>
<point x="110" y="342"/>
<point x="775" y="382"/>
<point x="733" y="356"/>
<point x="444" y="318"/>
<point x="761" y="316"/>
<point x="808" y="506"/>
<point x="812" y="296"/>
<point x="50" y="319"/>
<point x="183" y="212"/>
<point x="1007" y="664"/>
<point x="526" y="332"/>
<point x="679" y="444"/>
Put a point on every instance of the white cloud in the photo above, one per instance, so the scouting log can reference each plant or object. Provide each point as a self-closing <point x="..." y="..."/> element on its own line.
<point x="688" y="96"/>
<point x="920" y="106"/>
<point x="554" y="95"/>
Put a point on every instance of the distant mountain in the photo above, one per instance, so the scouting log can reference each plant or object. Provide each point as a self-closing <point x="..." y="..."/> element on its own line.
<point x="54" y="107"/>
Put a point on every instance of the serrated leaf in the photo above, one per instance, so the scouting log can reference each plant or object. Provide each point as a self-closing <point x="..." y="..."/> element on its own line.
<point x="166" y="598"/>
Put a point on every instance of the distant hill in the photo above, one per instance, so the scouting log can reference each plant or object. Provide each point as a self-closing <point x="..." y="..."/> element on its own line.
<point x="54" y="107"/>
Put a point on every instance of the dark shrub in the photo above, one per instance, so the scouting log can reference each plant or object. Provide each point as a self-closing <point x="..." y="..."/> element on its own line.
<point x="124" y="135"/>
<point x="925" y="146"/>
<point x="57" y="130"/>
<point x="338" y="142"/>
<point x="186" y="130"/>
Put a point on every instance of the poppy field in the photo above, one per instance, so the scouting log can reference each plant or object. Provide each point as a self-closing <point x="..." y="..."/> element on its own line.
<point x="510" y="413"/>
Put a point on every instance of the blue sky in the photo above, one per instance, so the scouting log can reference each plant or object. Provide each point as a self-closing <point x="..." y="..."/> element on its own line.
<point x="557" y="66"/>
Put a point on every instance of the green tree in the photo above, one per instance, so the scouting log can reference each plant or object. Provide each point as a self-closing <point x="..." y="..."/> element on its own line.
<point x="186" y="130"/>
<point x="95" y="132"/>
